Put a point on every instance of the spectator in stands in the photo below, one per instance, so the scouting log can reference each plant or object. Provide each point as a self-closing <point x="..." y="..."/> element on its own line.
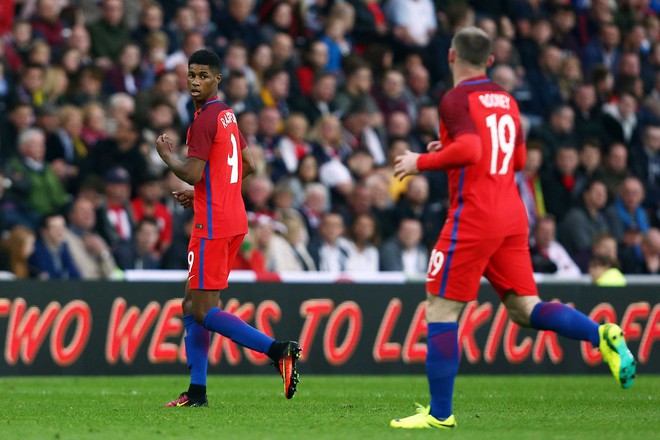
<point x="413" y="23"/>
<point x="90" y="252"/>
<point x="258" y="191"/>
<point x="249" y="257"/>
<point x="581" y="224"/>
<point x="620" y="119"/>
<point x="645" y="163"/>
<point x="163" y="90"/>
<point x="390" y="94"/>
<point x="530" y="184"/>
<point x="357" y="89"/>
<point x="139" y="253"/>
<point x="360" y="133"/>
<point x="562" y="185"/>
<point x="194" y="41"/>
<point x="296" y="235"/>
<point x="370" y="23"/>
<point x="127" y="76"/>
<point x="238" y="95"/>
<point x="89" y="86"/>
<point x="151" y="22"/>
<point x="336" y="42"/>
<point x="47" y="23"/>
<point x="603" y="50"/>
<point x="604" y="273"/>
<point x="238" y="24"/>
<point x="426" y="127"/>
<point x="109" y="34"/>
<point x="260" y="61"/>
<point x="647" y="259"/>
<point x="120" y="150"/>
<point x="315" y="58"/>
<point x="65" y="148"/>
<point x="415" y="204"/>
<point x="148" y="204"/>
<point x="307" y="173"/>
<point x="52" y="258"/>
<point x="268" y="134"/>
<point x="544" y="81"/>
<point x="548" y="255"/>
<point x="405" y="252"/>
<point x="291" y="147"/>
<point x="314" y="207"/>
<point x="417" y="91"/>
<point x="570" y="77"/>
<point x="588" y="117"/>
<point x="559" y="132"/>
<point x="275" y="92"/>
<point x="630" y="218"/>
<point x="20" y="119"/>
<point x="321" y="99"/>
<point x="615" y="169"/>
<point x="591" y="159"/>
<point x="279" y="255"/>
<point x="330" y="250"/>
<point x="115" y="215"/>
<point x="29" y="89"/>
<point x="363" y="253"/>
<point x="605" y="245"/>
<point x="36" y="190"/>
<point x="15" y="251"/>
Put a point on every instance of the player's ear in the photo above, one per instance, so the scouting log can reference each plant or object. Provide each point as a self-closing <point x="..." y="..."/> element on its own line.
<point x="451" y="56"/>
<point x="490" y="61"/>
<point x="218" y="77"/>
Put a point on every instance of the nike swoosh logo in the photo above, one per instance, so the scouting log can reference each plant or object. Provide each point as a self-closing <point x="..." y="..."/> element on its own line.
<point x="181" y="403"/>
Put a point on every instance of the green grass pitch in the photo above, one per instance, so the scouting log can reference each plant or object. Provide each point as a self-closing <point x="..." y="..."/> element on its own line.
<point x="327" y="407"/>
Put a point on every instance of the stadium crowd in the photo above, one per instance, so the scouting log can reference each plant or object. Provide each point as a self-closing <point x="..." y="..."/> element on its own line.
<point x="326" y="93"/>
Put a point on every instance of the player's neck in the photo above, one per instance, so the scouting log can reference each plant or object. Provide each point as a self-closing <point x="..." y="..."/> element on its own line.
<point x="462" y="73"/>
<point x="200" y="104"/>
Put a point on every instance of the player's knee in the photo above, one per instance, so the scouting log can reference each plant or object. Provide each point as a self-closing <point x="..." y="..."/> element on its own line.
<point x="187" y="306"/>
<point x="519" y="317"/>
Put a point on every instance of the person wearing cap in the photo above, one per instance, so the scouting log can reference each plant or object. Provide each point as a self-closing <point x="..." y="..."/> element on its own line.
<point x="115" y="214"/>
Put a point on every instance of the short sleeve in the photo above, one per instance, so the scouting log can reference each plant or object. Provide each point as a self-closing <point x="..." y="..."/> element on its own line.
<point x="455" y="114"/>
<point x="201" y="135"/>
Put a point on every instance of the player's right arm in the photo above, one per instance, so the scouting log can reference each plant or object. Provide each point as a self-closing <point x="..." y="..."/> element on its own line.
<point x="190" y="170"/>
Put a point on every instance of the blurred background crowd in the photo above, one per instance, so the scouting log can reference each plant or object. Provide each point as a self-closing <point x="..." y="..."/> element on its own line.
<point x="326" y="93"/>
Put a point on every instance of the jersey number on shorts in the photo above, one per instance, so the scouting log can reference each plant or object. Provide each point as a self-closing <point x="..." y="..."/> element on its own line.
<point x="191" y="260"/>
<point x="233" y="160"/>
<point x="435" y="262"/>
<point x="502" y="138"/>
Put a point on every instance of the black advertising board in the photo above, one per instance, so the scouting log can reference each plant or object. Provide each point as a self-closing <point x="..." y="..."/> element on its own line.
<point x="108" y="328"/>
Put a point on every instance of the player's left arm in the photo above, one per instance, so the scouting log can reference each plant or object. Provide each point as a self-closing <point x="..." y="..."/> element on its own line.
<point x="190" y="170"/>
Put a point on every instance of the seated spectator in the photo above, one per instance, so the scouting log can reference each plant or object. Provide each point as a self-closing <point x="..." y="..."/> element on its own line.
<point x="604" y="273"/>
<point x="15" y="251"/>
<point x="405" y="251"/>
<point x="647" y="260"/>
<point x="316" y="203"/>
<point x="361" y="134"/>
<point x="581" y="224"/>
<point x="363" y="253"/>
<point x="390" y="94"/>
<point x="90" y="252"/>
<point x="330" y="250"/>
<point x="52" y="258"/>
<point x="36" y="190"/>
<point x="620" y="120"/>
<point x="321" y="99"/>
<point x="110" y="33"/>
<point x="357" y="90"/>
<point x="65" y="148"/>
<point x="291" y="147"/>
<point x="415" y="204"/>
<point x="279" y="255"/>
<point x="238" y="95"/>
<point x="139" y="253"/>
<point x="529" y="184"/>
<point x="275" y="90"/>
<point x="590" y="159"/>
<point x="562" y="185"/>
<point x="645" y="164"/>
<point x="549" y="256"/>
<point x="615" y="168"/>
<point x="630" y="218"/>
<point x="314" y="61"/>
<point x="115" y="215"/>
<point x="148" y="204"/>
<point x="296" y="235"/>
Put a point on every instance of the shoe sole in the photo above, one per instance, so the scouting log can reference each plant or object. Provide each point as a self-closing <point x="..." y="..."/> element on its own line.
<point x="289" y="369"/>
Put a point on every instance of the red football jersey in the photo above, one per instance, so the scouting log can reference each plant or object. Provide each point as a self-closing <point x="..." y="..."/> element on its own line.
<point x="214" y="137"/>
<point x="484" y="199"/>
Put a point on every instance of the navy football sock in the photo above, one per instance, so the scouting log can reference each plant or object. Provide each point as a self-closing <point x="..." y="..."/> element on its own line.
<point x="197" y="342"/>
<point x="442" y="366"/>
<point x="566" y="321"/>
<point x="234" y="328"/>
